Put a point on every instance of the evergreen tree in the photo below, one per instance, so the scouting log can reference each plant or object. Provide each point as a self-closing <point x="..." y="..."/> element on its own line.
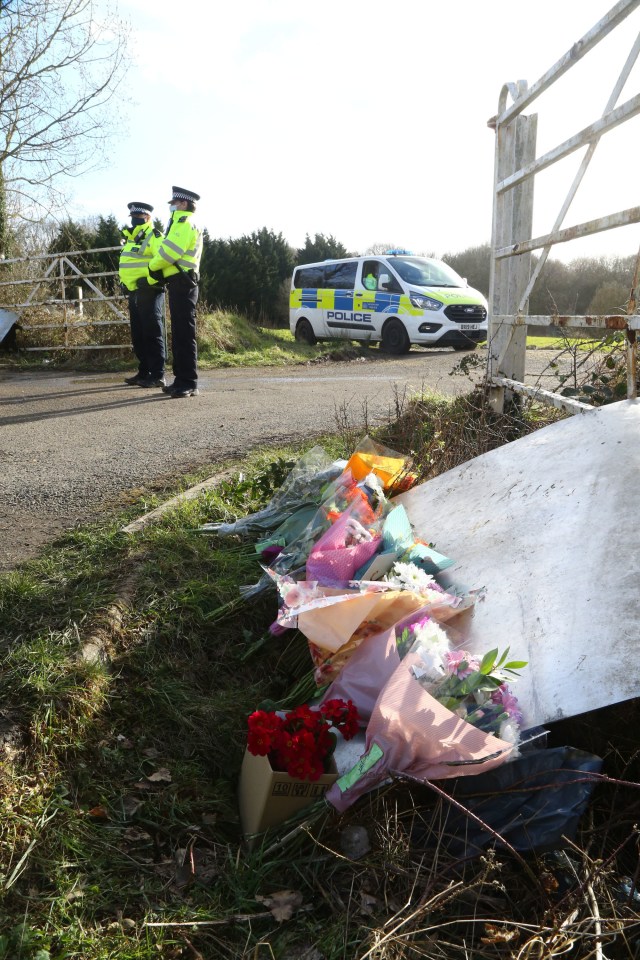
<point x="320" y="248"/>
<point x="107" y="234"/>
<point x="72" y="236"/>
<point x="246" y="273"/>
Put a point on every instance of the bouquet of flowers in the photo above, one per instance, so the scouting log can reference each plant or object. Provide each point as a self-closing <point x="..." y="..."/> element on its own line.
<point x="427" y="638"/>
<point x="409" y="576"/>
<point x="302" y="740"/>
<point x="473" y="688"/>
<point x="476" y="690"/>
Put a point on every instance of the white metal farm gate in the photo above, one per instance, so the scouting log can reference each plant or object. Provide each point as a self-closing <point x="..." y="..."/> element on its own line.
<point x="64" y="299"/>
<point x="512" y="276"/>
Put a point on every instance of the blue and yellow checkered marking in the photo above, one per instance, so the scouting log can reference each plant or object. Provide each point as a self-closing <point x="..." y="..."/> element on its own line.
<point x="310" y="298"/>
<point x="380" y="302"/>
<point x="342" y="300"/>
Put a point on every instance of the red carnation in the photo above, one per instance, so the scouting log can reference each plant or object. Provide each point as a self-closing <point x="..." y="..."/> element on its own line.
<point x="304" y="717"/>
<point x="302" y="741"/>
<point x="264" y="729"/>
<point x="343" y="716"/>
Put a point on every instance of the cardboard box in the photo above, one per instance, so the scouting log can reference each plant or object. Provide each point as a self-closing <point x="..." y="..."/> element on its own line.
<point x="269" y="797"/>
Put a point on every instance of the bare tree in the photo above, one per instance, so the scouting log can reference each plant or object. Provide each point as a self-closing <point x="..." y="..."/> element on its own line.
<point x="379" y="249"/>
<point x="60" y="66"/>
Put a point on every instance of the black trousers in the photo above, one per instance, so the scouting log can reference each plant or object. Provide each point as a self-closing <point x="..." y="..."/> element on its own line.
<point x="149" y="332"/>
<point x="137" y="339"/>
<point x="183" y="297"/>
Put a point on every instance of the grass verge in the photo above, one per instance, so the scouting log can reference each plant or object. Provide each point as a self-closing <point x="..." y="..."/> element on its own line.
<point x="230" y="340"/>
<point x="225" y="339"/>
<point x="120" y="834"/>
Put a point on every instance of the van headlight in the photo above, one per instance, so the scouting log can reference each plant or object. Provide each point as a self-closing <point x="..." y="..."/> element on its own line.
<point x="424" y="303"/>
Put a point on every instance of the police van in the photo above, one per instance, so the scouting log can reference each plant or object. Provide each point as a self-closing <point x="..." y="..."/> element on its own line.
<point x="396" y="299"/>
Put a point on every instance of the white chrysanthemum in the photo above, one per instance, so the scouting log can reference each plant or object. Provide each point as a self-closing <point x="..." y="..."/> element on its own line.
<point x="412" y="575"/>
<point x="409" y="576"/>
<point x="431" y="643"/>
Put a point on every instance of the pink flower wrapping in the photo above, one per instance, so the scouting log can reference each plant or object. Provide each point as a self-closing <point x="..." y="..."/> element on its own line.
<point x="418" y="737"/>
<point x="340" y="552"/>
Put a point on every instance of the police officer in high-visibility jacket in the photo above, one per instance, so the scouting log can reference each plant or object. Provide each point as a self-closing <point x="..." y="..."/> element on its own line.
<point x="176" y="263"/>
<point x="141" y="240"/>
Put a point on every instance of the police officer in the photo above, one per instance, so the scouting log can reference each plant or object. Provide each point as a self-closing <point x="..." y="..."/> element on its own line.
<point x="175" y="263"/>
<point x="145" y="306"/>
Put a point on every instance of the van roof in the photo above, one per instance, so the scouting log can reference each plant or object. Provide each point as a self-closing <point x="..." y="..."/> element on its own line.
<point x="363" y="256"/>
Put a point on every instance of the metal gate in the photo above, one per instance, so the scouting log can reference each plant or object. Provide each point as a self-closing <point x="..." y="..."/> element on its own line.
<point x="64" y="303"/>
<point x="512" y="278"/>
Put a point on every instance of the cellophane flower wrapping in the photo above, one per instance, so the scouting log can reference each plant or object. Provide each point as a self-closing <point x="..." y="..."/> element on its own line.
<point x="398" y="537"/>
<point x="360" y="489"/>
<point x="393" y="468"/>
<point x="337" y="621"/>
<point x="335" y="631"/>
<point x="473" y="687"/>
<point x="411" y="733"/>
<point x="371" y="665"/>
<point x="486" y="701"/>
<point x="345" y="547"/>
<point x="303" y="485"/>
<point x="365" y="499"/>
<point x="380" y="645"/>
<point x="441" y="713"/>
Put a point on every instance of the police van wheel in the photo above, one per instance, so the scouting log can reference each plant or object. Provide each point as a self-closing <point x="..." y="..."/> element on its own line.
<point x="305" y="334"/>
<point x="395" y="338"/>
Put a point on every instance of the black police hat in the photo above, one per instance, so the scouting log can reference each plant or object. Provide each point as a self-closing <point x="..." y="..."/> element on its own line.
<point x="136" y="207"/>
<point x="179" y="193"/>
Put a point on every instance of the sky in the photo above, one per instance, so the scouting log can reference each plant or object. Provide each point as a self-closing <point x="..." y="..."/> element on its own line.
<point x="362" y="120"/>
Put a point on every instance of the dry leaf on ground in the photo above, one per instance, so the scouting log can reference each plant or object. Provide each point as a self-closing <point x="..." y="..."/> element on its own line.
<point x="283" y="904"/>
<point x="160" y="776"/>
<point x="130" y="805"/>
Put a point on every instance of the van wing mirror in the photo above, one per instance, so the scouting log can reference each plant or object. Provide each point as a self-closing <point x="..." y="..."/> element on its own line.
<point x="384" y="281"/>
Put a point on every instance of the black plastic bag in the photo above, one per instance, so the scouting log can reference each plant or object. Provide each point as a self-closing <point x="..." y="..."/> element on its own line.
<point x="533" y="802"/>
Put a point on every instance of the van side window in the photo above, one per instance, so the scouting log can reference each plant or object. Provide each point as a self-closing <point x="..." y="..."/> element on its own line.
<point x="371" y="271"/>
<point x="370" y="274"/>
<point x="308" y="278"/>
<point x="341" y="276"/>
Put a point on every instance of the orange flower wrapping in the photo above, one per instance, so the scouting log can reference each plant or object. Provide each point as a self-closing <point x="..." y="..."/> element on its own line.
<point x="387" y="469"/>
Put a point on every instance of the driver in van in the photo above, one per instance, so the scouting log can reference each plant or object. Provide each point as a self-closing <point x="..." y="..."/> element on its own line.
<point x="370" y="281"/>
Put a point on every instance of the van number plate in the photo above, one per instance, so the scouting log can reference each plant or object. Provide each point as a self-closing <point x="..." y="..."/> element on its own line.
<point x="468" y="326"/>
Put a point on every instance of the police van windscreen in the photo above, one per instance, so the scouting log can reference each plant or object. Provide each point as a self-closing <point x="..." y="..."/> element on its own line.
<point x="426" y="273"/>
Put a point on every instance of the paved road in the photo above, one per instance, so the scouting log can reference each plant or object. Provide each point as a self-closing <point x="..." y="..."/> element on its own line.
<point x="72" y="446"/>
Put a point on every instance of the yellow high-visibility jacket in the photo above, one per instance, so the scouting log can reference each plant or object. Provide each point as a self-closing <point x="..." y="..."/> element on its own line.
<point x="180" y="249"/>
<point x="140" y="244"/>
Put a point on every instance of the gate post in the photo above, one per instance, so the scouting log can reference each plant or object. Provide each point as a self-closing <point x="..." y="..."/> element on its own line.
<point x="512" y="222"/>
